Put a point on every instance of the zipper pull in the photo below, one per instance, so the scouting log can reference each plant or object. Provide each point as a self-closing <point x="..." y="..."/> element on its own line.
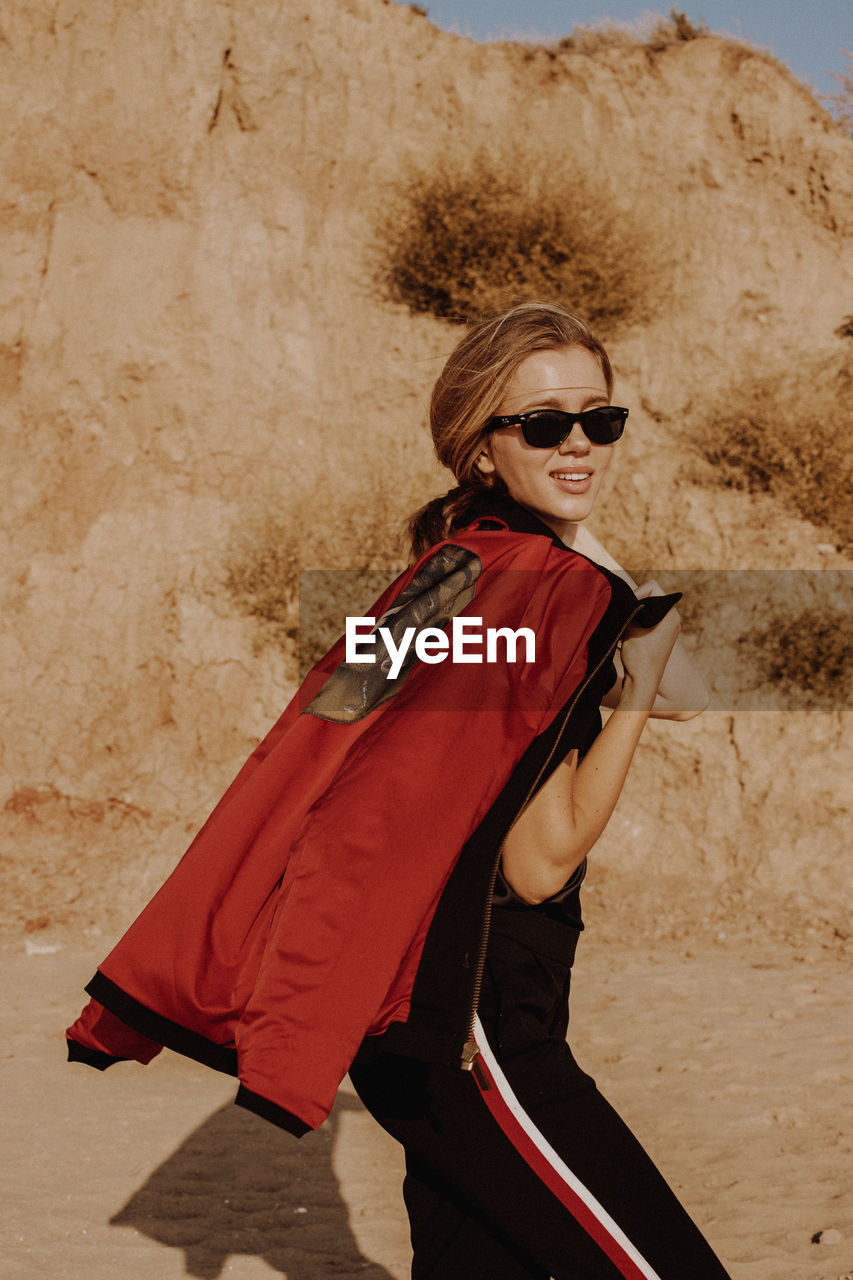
<point x="471" y="1062"/>
<point x="470" y="1053"/>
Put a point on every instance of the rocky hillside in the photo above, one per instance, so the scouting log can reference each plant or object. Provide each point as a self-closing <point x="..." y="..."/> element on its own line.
<point x="198" y="367"/>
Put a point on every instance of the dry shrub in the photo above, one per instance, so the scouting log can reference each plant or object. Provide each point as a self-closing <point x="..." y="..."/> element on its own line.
<point x="261" y="575"/>
<point x="299" y="575"/>
<point x="789" y="435"/>
<point x="464" y="242"/>
<point x="589" y="38"/>
<point x="841" y="103"/>
<point x="808" y="658"/>
<point x="768" y="639"/>
<point x="653" y="31"/>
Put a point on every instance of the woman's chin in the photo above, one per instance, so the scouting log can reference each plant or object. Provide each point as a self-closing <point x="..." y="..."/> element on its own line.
<point x="563" y="517"/>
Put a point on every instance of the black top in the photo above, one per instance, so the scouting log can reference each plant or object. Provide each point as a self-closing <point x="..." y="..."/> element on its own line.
<point x="563" y="906"/>
<point x="445" y="988"/>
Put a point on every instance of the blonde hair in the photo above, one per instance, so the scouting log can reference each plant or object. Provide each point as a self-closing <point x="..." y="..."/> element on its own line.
<point x="468" y="391"/>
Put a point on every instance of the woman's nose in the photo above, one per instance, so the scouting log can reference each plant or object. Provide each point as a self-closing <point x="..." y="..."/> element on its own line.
<point x="575" y="441"/>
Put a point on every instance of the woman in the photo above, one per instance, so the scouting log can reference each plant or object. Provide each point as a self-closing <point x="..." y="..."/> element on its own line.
<point x="532" y="1174"/>
<point x="391" y="882"/>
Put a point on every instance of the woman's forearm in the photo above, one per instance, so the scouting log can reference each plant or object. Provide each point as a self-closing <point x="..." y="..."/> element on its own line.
<point x="567" y="815"/>
<point x="682" y="693"/>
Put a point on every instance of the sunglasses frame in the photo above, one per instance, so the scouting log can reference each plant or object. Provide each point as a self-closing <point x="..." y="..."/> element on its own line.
<point x="520" y="420"/>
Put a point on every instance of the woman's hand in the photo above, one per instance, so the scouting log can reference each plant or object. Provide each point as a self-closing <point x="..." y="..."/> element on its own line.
<point x="645" y="651"/>
<point x="682" y="692"/>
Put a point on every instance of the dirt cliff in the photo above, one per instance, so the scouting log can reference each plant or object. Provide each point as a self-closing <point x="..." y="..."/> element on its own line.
<point x="194" y="351"/>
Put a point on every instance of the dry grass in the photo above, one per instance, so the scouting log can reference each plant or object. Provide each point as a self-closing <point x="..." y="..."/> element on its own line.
<point x="651" y="34"/>
<point x="807" y="659"/>
<point x="261" y="575"/>
<point x="789" y="435"/>
<point x="465" y="242"/>
<point x="299" y="575"/>
<point x="654" y="32"/>
<point x="841" y="103"/>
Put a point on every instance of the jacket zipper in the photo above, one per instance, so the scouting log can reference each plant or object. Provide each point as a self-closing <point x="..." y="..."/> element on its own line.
<point x="470" y="1051"/>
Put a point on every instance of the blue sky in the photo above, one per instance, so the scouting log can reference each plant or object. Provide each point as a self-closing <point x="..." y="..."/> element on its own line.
<point x="808" y="36"/>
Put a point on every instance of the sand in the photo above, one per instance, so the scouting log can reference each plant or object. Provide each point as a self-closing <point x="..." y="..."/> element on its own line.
<point x="731" y="1064"/>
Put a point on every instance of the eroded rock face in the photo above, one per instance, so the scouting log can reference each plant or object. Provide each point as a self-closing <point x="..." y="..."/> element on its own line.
<point x="192" y="342"/>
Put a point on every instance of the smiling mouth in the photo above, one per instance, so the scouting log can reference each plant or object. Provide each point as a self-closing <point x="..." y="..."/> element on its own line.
<point x="572" y="481"/>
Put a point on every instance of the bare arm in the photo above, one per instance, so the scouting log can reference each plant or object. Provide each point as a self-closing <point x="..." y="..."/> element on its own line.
<point x="683" y="693"/>
<point x="553" y="835"/>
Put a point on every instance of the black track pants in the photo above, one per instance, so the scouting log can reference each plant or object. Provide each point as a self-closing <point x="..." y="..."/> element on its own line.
<point x="534" y="1176"/>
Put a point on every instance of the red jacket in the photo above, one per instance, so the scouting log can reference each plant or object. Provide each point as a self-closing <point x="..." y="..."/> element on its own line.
<point x="295" y="923"/>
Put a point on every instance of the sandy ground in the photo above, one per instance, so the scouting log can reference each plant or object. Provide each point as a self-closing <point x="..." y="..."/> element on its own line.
<point x="733" y="1066"/>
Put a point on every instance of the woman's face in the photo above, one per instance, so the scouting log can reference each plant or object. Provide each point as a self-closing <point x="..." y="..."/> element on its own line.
<point x="558" y="485"/>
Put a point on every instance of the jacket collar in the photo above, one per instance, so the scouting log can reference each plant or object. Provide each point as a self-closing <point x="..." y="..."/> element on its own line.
<point x="500" y="505"/>
<point x="491" y="505"/>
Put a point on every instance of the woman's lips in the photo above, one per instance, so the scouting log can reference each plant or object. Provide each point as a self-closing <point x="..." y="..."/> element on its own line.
<point x="574" y="480"/>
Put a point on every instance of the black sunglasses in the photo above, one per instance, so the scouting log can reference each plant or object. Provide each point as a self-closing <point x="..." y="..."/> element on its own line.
<point x="547" y="428"/>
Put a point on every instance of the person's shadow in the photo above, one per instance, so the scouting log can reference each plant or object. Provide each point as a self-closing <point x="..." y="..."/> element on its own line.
<point x="240" y="1185"/>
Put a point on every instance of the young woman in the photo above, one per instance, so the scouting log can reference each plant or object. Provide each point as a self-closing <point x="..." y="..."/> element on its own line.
<point x="531" y="1173"/>
<point x="391" y="884"/>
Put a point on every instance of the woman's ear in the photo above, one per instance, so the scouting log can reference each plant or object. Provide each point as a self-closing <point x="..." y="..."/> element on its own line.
<point x="484" y="463"/>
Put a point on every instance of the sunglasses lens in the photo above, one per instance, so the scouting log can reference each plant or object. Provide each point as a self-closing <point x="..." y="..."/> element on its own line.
<point x="603" y="426"/>
<point x="548" y="428"/>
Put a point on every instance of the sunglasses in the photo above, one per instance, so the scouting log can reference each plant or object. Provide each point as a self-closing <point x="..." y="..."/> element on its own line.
<point x="548" y="428"/>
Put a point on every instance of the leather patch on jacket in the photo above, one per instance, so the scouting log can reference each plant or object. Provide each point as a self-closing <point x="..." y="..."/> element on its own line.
<point x="440" y="589"/>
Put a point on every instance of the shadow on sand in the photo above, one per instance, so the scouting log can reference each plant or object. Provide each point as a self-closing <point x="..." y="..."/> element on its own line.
<point x="238" y="1185"/>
